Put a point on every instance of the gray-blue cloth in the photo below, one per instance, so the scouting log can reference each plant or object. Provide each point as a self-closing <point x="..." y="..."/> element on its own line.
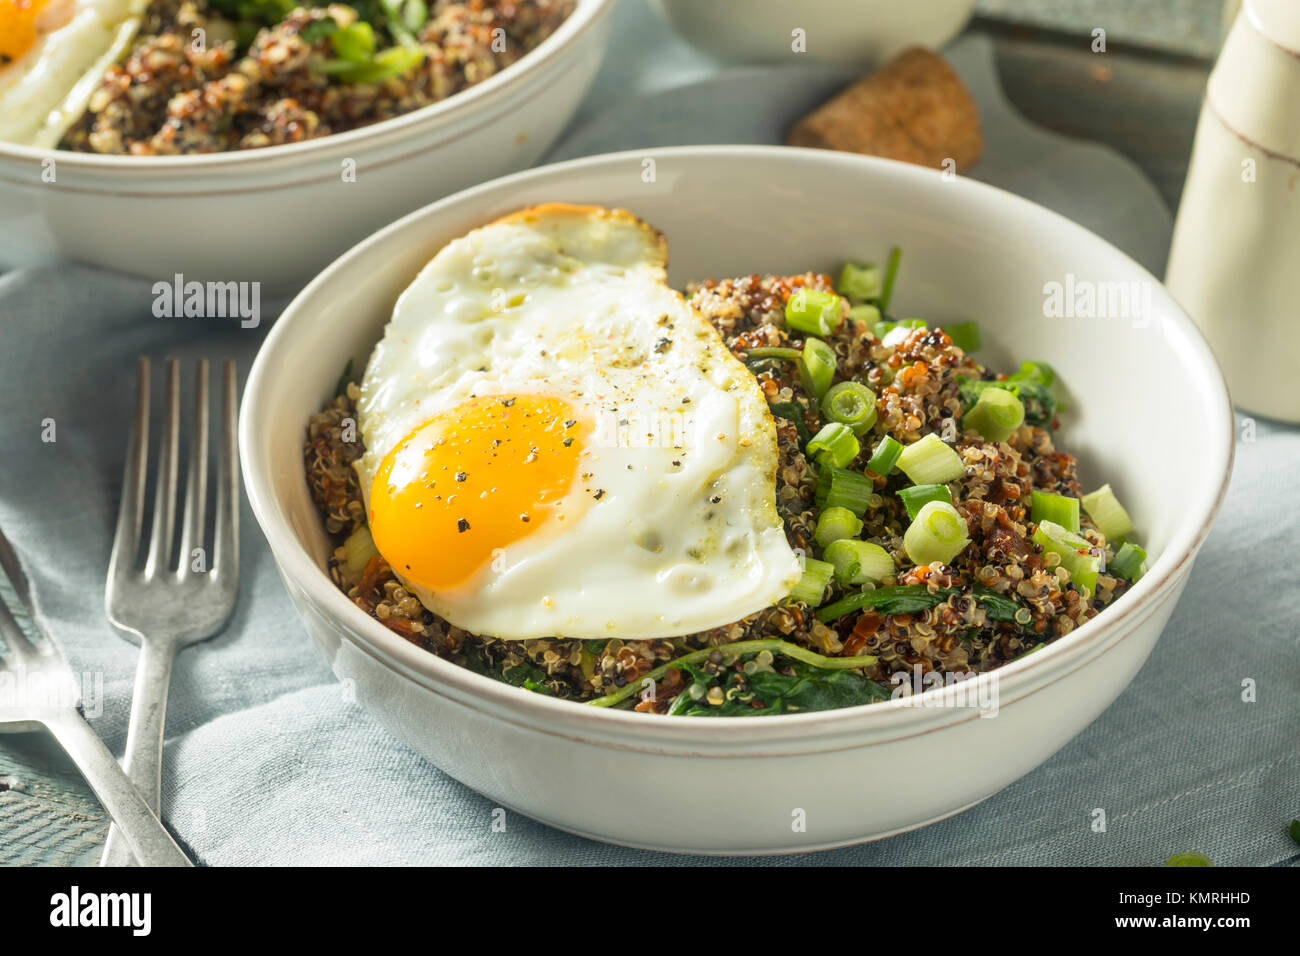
<point x="268" y="762"/>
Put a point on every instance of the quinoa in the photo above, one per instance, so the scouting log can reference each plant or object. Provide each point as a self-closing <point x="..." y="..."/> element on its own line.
<point x="170" y="95"/>
<point x="917" y="382"/>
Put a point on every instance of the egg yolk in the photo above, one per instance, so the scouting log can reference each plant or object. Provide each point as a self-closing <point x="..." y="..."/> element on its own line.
<point x="470" y="481"/>
<point x="17" y="27"/>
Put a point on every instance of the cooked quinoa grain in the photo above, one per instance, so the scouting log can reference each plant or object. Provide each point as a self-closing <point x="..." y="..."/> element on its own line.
<point x="171" y="95"/>
<point x="918" y="384"/>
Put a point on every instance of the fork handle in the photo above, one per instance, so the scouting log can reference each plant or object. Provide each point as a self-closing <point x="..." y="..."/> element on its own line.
<point x="152" y="844"/>
<point x="144" y="737"/>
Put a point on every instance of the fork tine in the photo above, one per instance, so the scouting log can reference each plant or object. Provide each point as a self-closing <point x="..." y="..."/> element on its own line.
<point x="126" y="540"/>
<point x="196" y="490"/>
<point x="21" y="648"/>
<point x="13" y="569"/>
<point x="164" y="499"/>
<point x="225" y="555"/>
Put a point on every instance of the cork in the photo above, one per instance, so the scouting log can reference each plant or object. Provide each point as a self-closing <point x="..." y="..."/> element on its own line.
<point x="915" y="108"/>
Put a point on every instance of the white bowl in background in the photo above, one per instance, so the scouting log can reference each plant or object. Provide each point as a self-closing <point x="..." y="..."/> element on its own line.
<point x="835" y="31"/>
<point x="1150" y="415"/>
<point x="279" y="215"/>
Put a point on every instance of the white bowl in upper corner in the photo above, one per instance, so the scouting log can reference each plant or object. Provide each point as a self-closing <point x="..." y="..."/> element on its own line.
<point x="279" y="215"/>
<point x="834" y="31"/>
<point x="1150" y="414"/>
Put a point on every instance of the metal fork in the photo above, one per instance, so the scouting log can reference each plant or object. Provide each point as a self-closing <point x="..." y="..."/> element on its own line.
<point x="39" y="691"/>
<point x="161" y="604"/>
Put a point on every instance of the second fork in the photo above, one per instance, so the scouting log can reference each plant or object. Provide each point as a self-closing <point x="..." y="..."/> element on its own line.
<point x="159" y="602"/>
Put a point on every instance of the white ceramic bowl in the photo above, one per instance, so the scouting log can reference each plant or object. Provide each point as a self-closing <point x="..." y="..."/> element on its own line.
<point x="834" y="31"/>
<point x="281" y="214"/>
<point x="1150" y="414"/>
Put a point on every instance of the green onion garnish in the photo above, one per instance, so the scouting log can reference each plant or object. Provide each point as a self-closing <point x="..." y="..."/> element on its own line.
<point x="891" y="273"/>
<point x="1075" y="552"/>
<point x="852" y="404"/>
<point x="834" y="445"/>
<point x="881" y="329"/>
<point x="964" y="335"/>
<point x="931" y="462"/>
<point x="916" y="497"/>
<point x="865" y="314"/>
<point x="816" y="368"/>
<point x="1045" y="506"/>
<point x="996" y="414"/>
<point x="355" y="42"/>
<point x="859" y="283"/>
<point x="885" y="456"/>
<point x="1130" y="562"/>
<point x="773" y="352"/>
<point x="812" y="586"/>
<point x="937" y="533"/>
<point x="835" y="523"/>
<point x="898" y="599"/>
<point x="858" y="562"/>
<point x="839" y="487"/>
<point x="813" y="311"/>
<point x="1108" y="514"/>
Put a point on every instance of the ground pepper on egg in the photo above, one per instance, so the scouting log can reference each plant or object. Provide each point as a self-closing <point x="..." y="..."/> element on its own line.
<point x="918" y="384"/>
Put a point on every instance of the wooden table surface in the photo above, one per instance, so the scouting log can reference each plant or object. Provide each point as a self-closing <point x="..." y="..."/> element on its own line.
<point x="1142" y="102"/>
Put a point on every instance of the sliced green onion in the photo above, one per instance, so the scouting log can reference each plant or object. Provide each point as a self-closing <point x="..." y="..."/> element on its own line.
<point x="773" y="352"/>
<point x="996" y="414"/>
<point x="918" y="496"/>
<point x="865" y="314"/>
<point x="1059" y="509"/>
<point x="355" y="42"/>
<point x="816" y="368"/>
<point x="1130" y="562"/>
<point x="852" y="404"/>
<point x="834" y="445"/>
<point x="812" y="585"/>
<point x="885" y="456"/>
<point x="394" y="61"/>
<point x="858" y="282"/>
<point x="858" y="562"/>
<point x="931" y="462"/>
<point x="1107" y="514"/>
<point x="835" y="523"/>
<point x="358" y="549"/>
<point x="938" y="533"/>
<point x="839" y="487"/>
<point x="813" y="311"/>
<point x="964" y="335"/>
<point x="1074" y="551"/>
<point x="881" y="330"/>
<point x="891" y="273"/>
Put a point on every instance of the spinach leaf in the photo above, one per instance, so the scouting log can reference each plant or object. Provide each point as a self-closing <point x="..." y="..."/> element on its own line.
<point x="791" y="412"/>
<point x="805" y="688"/>
<point x="898" y="599"/>
<point x="997" y="607"/>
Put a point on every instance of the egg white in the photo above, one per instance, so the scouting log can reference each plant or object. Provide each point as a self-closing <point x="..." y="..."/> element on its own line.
<point x="572" y="301"/>
<point x="46" y="89"/>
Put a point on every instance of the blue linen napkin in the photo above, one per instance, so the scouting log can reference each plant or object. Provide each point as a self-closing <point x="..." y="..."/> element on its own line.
<point x="268" y="761"/>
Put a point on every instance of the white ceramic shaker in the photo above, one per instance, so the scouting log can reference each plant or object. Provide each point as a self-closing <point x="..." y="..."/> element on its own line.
<point x="1235" y="260"/>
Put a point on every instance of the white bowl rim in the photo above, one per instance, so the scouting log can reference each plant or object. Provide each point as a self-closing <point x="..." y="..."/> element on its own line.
<point x="411" y="662"/>
<point x="444" y="112"/>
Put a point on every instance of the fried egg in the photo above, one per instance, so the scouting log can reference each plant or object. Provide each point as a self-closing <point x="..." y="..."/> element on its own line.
<point x="557" y="444"/>
<point x="53" y="53"/>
